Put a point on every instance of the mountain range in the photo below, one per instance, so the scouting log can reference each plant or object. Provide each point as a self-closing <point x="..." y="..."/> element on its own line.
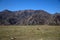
<point x="29" y="17"/>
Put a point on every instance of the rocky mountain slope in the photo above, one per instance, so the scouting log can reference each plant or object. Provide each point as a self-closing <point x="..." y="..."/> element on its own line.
<point x="29" y="17"/>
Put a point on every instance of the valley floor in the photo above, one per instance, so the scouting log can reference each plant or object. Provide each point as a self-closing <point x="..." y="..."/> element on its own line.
<point x="30" y="32"/>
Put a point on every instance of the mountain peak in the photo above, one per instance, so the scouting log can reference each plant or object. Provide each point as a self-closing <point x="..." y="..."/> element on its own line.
<point x="6" y="10"/>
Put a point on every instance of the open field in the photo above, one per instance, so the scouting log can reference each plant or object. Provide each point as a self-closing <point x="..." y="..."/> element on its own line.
<point x="32" y="32"/>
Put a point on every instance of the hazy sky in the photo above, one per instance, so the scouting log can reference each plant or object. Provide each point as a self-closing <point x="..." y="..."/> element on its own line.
<point x="50" y="6"/>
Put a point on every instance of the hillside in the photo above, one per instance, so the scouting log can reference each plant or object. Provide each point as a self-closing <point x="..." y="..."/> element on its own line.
<point x="28" y="17"/>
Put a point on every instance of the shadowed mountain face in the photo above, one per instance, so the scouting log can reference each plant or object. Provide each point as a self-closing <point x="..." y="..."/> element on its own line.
<point x="28" y="17"/>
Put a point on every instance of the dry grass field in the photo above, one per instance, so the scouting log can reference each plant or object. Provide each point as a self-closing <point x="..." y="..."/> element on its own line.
<point x="29" y="32"/>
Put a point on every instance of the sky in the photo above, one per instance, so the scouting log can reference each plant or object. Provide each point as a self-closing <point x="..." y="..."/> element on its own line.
<point x="51" y="6"/>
